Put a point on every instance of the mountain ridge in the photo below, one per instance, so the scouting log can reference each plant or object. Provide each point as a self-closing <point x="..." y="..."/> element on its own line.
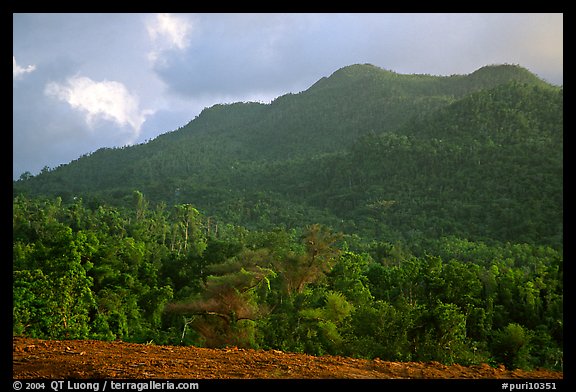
<point x="354" y="72"/>
<point x="271" y="155"/>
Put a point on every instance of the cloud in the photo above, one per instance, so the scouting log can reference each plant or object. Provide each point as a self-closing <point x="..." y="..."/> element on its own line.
<point x="167" y="32"/>
<point x="108" y="100"/>
<point x="18" y="71"/>
<point x="238" y="55"/>
<point x="177" y="64"/>
<point x="235" y="55"/>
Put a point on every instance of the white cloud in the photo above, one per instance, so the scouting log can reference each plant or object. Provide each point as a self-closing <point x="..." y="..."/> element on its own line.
<point x="18" y="71"/>
<point x="108" y="100"/>
<point x="168" y="31"/>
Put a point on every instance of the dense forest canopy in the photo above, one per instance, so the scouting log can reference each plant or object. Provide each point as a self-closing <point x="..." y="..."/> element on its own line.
<point x="405" y="217"/>
<point x="447" y="150"/>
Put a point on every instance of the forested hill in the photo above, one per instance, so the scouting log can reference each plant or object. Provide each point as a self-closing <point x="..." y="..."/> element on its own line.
<point x="366" y="151"/>
<point x="374" y="215"/>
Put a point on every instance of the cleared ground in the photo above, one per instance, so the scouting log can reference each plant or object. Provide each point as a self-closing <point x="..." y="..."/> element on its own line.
<point x="60" y="359"/>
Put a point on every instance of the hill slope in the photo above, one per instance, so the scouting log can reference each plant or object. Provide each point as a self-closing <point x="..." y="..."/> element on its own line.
<point x="472" y="168"/>
<point x="366" y="150"/>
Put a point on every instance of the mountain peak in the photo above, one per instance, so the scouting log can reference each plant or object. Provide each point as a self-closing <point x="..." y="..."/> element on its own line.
<point x="503" y="73"/>
<point x="369" y="76"/>
<point x="360" y="71"/>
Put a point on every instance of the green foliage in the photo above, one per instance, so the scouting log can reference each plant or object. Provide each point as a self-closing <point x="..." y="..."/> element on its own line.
<point x="381" y="330"/>
<point x="366" y="151"/>
<point x="405" y="217"/>
<point x="228" y="304"/>
<point x="100" y="273"/>
<point x="442" y="333"/>
<point x="326" y="323"/>
<point x="51" y="287"/>
<point x="348" y="276"/>
<point x="511" y="345"/>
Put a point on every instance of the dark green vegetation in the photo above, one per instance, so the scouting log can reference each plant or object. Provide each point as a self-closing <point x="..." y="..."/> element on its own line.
<point x="445" y="192"/>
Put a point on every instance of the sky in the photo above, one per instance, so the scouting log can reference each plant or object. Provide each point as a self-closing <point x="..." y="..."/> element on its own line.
<point x="86" y="81"/>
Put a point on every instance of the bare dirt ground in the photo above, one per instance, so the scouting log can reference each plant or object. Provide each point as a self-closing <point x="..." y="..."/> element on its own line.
<point x="53" y="359"/>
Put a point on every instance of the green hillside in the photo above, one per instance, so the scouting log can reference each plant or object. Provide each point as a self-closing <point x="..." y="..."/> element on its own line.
<point x="374" y="215"/>
<point x="488" y="166"/>
<point x="367" y="151"/>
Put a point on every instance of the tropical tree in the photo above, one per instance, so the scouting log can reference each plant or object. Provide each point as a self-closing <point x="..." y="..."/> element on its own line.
<point x="225" y="311"/>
